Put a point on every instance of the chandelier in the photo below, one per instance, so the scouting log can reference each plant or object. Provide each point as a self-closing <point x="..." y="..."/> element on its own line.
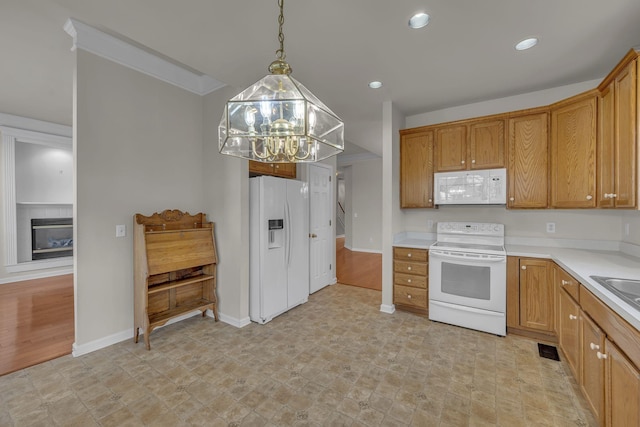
<point x="279" y="120"/>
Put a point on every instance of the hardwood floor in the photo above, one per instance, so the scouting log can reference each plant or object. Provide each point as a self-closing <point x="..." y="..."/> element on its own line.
<point x="361" y="269"/>
<point x="36" y="321"/>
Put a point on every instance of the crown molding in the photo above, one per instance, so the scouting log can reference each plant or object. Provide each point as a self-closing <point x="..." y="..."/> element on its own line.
<point x="119" y="51"/>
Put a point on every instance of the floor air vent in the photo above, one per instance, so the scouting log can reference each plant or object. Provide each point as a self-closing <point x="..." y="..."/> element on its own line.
<point x="548" y="352"/>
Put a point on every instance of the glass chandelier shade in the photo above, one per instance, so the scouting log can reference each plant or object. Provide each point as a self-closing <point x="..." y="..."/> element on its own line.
<point x="278" y="120"/>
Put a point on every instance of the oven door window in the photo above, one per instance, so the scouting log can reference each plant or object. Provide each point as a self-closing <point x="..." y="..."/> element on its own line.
<point x="468" y="281"/>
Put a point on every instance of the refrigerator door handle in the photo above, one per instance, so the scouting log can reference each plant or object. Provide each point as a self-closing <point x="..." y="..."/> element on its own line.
<point x="288" y="231"/>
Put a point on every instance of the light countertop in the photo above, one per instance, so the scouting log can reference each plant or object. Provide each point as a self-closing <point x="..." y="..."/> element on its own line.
<point x="580" y="263"/>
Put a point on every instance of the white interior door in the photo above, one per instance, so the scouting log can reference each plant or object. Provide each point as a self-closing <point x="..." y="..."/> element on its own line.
<point x="322" y="240"/>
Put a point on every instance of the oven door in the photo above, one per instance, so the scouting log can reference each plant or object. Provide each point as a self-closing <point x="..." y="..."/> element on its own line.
<point x="468" y="279"/>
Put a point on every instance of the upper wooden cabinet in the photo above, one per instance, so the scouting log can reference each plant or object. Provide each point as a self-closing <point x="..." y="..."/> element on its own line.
<point x="283" y="170"/>
<point x="451" y="148"/>
<point x="617" y="143"/>
<point x="416" y="169"/>
<point x="573" y="152"/>
<point x="471" y="145"/>
<point x="528" y="164"/>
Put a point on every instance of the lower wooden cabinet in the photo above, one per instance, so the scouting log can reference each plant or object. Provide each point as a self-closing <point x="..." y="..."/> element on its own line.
<point x="569" y="331"/>
<point x="592" y="348"/>
<point x="622" y="386"/>
<point x="411" y="279"/>
<point x="530" y="297"/>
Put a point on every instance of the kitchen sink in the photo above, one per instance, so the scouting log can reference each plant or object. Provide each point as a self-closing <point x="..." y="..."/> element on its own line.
<point x="627" y="289"/>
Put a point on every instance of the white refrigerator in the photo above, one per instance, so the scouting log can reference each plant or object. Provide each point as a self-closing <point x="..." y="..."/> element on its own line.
<point x="279" y="246"/>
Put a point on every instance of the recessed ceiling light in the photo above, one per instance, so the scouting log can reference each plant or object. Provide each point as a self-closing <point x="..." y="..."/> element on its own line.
<point x="419" y="20"/>
<point x="527" y="43"/>
<point x="375" y="84"/>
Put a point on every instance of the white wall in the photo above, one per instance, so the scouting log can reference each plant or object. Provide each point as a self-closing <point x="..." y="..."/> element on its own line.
<point x="43" y="174"/>
<point x="632" y="218"/>
<point x="138" y="149"/>
<point x="226" y="199"/>
<point x="366" y="205"/>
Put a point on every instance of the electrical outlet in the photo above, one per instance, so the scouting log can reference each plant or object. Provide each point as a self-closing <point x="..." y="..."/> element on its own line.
<point x="430" y="224"/>
<point x="551" y="227"/>
<point x="121" y="230"/>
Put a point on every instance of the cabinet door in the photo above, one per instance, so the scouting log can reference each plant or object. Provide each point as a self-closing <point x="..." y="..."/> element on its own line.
<point x="260" y="168"/>
<point x="486" y="145"/>
<point x="536" y="295"/>
<point x="592" y="366"/>
<point x="569" y="330"/>
<point x="606" y="148"/>
<point x="622" y="405"/>
<point x="528" y="161"/>
<point x="625" y="137"/>
<point x="451" y="148"/>
<point x="573" y="153"/>
<point x="416" y="170"/>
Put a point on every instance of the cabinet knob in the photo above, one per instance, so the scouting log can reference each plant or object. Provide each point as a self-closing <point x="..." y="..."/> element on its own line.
<point x="512" y="198"/>
<point x="473" y="161"/>
<point x="601" y="355"/>
<point x="409" y="296"/>
<point x="408" y="280"/>
<point x="606" y="195"/>
<point x="565" y="282"/>
<point x="524" y="267"/>
<point x="430" y="200"/>
<point x="409" y="268"/>
<point x="594" y="346"/>
<point x="409" y="255"/>
<point x="462" y="162"/>
<point x="572" y="317"/>
<point x="614" y="195"/>
<point x="589" y="197"/>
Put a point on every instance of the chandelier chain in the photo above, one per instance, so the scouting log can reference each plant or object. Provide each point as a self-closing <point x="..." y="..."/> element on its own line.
<point x="280" y="52"/>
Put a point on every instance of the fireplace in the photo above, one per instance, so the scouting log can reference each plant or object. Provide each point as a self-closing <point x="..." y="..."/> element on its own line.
<point x="51" y="238"/>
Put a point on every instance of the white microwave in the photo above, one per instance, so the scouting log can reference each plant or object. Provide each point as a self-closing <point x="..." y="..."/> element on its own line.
<point x="481" y="187"/>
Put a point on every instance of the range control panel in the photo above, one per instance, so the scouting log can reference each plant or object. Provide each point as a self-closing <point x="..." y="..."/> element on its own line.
<point x="471" y="228"/>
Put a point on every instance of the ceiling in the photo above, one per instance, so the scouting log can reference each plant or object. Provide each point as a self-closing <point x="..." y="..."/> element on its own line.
<point x="335" y="48"/>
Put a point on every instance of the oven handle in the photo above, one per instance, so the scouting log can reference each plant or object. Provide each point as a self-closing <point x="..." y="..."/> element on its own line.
<point x="467" y="256"/>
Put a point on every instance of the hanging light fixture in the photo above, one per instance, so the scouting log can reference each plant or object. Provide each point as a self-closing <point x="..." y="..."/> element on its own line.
<point x="278" y="120"/>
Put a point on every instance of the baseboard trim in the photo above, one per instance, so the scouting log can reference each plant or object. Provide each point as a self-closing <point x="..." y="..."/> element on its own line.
<point x="34" y="276"/>
<point x="371" y="251"/>
<point x="386" y="308"/>
<point x="233" y="321"/>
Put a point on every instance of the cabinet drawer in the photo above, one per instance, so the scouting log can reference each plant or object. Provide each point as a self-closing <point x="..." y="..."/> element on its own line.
<point x="410" y="254"/>
<point x="410" y="296"/>
<point x="568" y="283"/>
<point x="416" y="268"/>
<point x="410" y="280"/>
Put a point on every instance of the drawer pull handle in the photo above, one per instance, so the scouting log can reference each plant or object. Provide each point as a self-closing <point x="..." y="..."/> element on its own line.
<point x="409" y="281"/>
<point x="512" y="198"/>
<point x="462" y="162"/>
<point x="473" y="161"/>
<point x="409" y="296"/>
<point x="572" y="317"/>
<point x="601" y="355"/>
<point x="409" y="268"/>
<point x="409" y="255"/>
<point x="524" y="267"/>
<point x="594" y="346"/>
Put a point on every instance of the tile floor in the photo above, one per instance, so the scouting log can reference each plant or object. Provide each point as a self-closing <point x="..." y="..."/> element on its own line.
<point x="335" y="361"/>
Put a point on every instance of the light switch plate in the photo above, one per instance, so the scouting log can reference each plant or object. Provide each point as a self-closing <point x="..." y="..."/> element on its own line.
<point x="551" y="227"/>
<point x="121" y="230"/>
